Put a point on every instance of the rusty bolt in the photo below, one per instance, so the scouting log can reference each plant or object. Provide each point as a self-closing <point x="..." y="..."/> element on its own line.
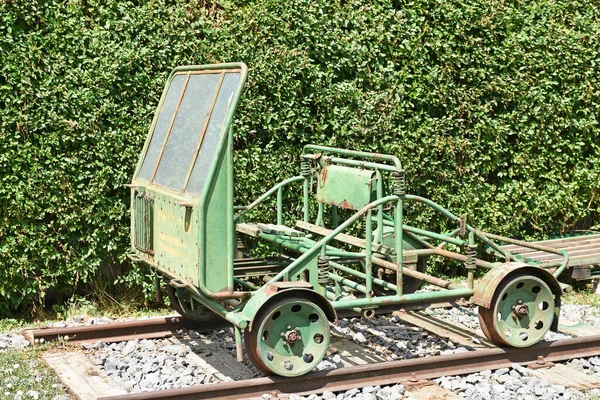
<point x="540" y="360"/>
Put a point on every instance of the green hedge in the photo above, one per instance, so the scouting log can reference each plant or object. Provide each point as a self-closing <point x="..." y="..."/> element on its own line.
<point x="492" y="107"/>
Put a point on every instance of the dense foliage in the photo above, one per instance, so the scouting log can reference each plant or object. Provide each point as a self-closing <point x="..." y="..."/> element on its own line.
<point x="491" y="105"/>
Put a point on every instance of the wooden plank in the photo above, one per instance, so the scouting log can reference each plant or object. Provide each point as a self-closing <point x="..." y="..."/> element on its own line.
<point x="83" y="379"/>
<point x="215" y="360"/>
<point x="564" y="375"/>
<point x="556" y="243"/>
<point x="351" y="353"/>
<point x="432" y="392"/>
<point x="342" y="237"/>
<point x="579" y="247"/>
<point x="577" y="329"/>
<point x="254" y="230"/>
<point x="283" y="230"/>
<point x="248" y="229"/>
<point x="587" y="251"/>
<point x="456" y="334"/>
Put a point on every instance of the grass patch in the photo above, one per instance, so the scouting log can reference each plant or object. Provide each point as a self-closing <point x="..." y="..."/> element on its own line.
<point x="582" y="296"/>
<point x="23" y="374"/>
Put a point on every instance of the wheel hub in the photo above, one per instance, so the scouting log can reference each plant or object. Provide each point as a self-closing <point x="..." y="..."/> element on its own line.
<point x="521" y="310"/>
<point x="292" y="336"/>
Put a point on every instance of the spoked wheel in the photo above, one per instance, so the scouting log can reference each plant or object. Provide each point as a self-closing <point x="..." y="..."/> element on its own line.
<point x="289" y="337"/>
<point x="185" y="304"/>
<point x="521" y="312"/>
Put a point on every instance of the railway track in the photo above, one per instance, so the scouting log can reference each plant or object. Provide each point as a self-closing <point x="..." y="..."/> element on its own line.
<point x="151" y="328"/>
<point x="160" y="327"/>
<point x="408" y="372"/>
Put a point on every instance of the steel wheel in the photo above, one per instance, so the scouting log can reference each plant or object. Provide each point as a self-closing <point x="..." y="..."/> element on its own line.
<point x="185" y="304"/>
<point x="521" y="312"/>
<point x="289" y="337"/>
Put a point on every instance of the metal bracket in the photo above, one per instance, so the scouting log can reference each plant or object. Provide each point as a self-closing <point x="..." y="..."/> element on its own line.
<point x="134" y="257"/>
<point x="178" y="283"/>
<point x="463" y="224"/>
<point x="415" y="382"/>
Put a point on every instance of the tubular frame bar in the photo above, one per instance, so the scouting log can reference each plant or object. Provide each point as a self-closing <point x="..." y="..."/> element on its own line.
<point x="304" y="258"/>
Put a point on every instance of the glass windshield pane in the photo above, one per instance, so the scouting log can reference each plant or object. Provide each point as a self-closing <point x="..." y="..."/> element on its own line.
<point x="214" y="133"/>
<point x="186" y="131"/>
<point x="161" y="127"/>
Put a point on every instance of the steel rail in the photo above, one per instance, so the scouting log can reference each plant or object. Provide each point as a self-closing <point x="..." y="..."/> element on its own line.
<point x="150" y="328"/>
<point x="160" y="327"/>
<point x="385" y="373"/>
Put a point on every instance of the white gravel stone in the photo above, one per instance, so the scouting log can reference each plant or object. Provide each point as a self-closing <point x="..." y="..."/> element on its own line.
<point x="359" y="337"/>
<point x="488" y="385"/>
<point x="150" y="365"/>
<point x="15" y="341"/>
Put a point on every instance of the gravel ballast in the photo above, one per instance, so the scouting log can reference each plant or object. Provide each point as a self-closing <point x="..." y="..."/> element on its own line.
<point x="144" y="365"/>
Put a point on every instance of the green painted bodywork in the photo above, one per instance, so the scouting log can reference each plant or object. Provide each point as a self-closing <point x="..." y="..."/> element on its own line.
<point x="185" y="223"/>
<point x="346" y="187"/>
<point x="186" y="172"/>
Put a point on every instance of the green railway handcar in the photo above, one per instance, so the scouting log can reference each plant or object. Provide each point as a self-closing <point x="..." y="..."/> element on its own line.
<point x="350" y="248"/>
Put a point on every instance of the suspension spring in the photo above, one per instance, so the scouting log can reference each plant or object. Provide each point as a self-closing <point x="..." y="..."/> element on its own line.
<point x="239" y="243"/>
<point x="399" y="183"/>
<point x="305" y="168"/>
<point x="323" y="269"/>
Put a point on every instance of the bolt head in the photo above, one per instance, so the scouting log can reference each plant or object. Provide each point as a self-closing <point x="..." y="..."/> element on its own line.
<point x="292" y="336"/>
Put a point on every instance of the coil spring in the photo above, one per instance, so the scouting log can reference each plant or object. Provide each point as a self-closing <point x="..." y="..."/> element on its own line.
<point x="399" y="183"/>
<point x="305" y="168"/>
<point x="323" y="269"/>
<point x="239" y="244"/>
<point x="471" y="256"/>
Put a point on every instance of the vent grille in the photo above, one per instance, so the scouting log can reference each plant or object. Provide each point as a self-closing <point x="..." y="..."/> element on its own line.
<point x="144" y="223"/>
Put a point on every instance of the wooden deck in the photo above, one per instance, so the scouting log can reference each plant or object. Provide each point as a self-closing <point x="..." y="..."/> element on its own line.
<point x="582" y="250"/>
